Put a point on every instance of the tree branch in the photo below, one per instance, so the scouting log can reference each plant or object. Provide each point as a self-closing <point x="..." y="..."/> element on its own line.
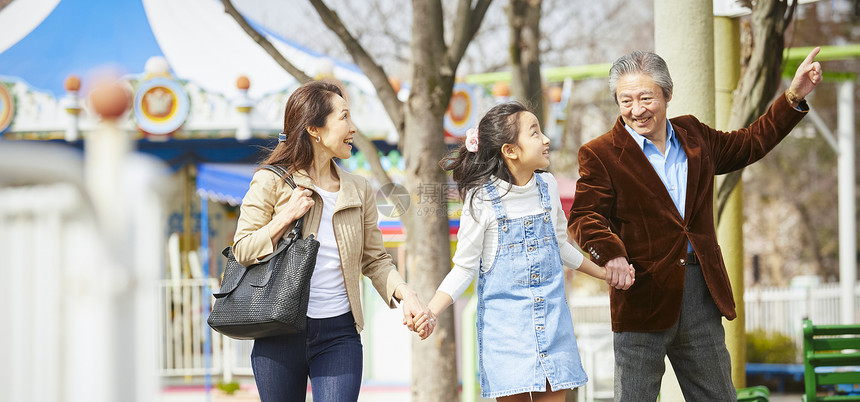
<point x="371" y="154"/>
<point x="465" y="26"/>
<point x="364" y="145"/>
<point x="365" y="62"/>
<point x="760" y="79"/>
<point x="261" y="40"/>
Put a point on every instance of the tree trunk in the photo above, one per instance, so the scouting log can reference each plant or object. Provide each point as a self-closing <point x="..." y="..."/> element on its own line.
<point x="526" y="85"/>
<point x="761" y="77"/>
<point x="434" y="361"/>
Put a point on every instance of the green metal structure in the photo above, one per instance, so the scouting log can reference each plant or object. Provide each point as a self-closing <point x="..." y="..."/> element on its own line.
<point x="792" y="58"/>
<point x="831" y="356"/>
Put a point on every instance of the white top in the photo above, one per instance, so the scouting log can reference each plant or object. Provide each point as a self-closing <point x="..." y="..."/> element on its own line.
<point x="478" y="235"/>
<point x="328" y="291"/>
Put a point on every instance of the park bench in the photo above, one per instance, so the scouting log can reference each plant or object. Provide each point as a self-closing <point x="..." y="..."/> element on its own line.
<point x="759" y="393"/>
<point x="831" y="356"/>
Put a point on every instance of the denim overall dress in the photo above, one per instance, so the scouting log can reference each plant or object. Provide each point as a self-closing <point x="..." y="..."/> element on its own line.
<point x="525" y="332"/>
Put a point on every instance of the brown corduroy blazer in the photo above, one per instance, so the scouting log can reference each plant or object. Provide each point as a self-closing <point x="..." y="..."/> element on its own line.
<point x="622" y="209"/>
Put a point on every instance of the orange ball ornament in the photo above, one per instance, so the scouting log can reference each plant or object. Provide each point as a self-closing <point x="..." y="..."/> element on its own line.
<point x="243" y="83"/>
<point x="554" y="94"/>
<point x="395" y="83"/>
<point x="72" y="83"/>
<point x="110" y="100"/>
<point x="501" y="89"/>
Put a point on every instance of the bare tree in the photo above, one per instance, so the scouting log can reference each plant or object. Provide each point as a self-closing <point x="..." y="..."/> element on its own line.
<point x="419" y="124"/>
<point x="524" y="50"/>
<point x="760" y="80"/>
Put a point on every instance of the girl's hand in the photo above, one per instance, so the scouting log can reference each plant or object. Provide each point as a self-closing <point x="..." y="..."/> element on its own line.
<point x="631" y="275"/>
<point x="425" y="324"/>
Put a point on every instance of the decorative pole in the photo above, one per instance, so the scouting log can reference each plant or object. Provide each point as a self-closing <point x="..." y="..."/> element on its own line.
<point x="727" y="72"/>
<point x="106" y="152"/>
<point x="244" y="106"/>
<point x="72" y="106"/>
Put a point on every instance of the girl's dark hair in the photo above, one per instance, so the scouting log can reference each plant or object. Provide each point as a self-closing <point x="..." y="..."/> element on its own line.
<point x="308" y="106"/>
<point x="498" y="127"/>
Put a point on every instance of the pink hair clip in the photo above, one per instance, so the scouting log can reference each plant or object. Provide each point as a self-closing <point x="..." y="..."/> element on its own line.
<point x="472" y="140"/>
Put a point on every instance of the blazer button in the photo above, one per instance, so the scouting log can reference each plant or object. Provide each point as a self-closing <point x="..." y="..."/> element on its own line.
<point x="683" y="262"/>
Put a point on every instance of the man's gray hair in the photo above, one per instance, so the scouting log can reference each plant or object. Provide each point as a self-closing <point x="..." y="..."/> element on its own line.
<point x="641" y="62"/>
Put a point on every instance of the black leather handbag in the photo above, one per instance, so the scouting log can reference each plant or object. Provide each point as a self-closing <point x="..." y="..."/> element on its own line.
<point x="271" y="297"/>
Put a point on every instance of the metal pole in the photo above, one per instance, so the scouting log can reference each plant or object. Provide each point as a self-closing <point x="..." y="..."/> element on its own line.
<point x="847" y="216"/>
<point x="207" y="294"/>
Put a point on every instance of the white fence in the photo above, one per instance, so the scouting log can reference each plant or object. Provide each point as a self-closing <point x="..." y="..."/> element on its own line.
<point x="78" y="311"/>
<point x="181" y="352"/>
<point x="183" y="329"/>
<point x="772" y="309"/>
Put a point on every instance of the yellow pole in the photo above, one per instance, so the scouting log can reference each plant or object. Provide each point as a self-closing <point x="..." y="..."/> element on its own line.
<point x="684" y="37"/>
<point x="730" y="226"/>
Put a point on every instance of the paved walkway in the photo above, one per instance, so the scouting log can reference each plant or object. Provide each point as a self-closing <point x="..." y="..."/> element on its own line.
<point x="248" y="393"/>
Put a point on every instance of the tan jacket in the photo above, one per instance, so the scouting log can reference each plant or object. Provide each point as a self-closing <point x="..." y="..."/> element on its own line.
<point x="356" y="229"/>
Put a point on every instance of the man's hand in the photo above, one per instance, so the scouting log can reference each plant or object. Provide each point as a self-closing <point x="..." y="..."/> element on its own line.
<point x="807" y="77"/>
<point x="618" y="273"/>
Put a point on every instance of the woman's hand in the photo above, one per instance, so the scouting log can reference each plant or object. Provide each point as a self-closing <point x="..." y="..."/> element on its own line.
<point x="297" y="206"/>
<point x="299" y="203"/>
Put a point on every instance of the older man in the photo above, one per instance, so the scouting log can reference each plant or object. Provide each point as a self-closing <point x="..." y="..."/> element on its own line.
<point x="645" y="195"/>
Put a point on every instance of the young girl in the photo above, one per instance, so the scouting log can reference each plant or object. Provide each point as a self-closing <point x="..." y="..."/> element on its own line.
<point x="514" y="230"/>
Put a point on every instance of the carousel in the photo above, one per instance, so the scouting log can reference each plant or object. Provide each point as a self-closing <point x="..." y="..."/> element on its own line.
<point x="204" y="100"/>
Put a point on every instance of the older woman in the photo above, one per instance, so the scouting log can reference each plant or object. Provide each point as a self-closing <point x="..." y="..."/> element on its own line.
<point x="340" y="210"/>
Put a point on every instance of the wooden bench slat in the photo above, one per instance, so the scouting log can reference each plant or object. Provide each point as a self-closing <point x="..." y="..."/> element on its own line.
<point x="834" y="359"/>
<point x="835" y="398"/>
<point x="836" y="343"/>
<point x="835" y="329"/>
<point x="837" y="378"/>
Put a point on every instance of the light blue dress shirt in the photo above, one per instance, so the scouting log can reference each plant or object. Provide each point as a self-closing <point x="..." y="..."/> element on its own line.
<point x="671" y="167"/>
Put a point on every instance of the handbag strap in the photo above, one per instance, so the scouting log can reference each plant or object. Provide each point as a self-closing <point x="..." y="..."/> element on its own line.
<point x="296" y="233"/>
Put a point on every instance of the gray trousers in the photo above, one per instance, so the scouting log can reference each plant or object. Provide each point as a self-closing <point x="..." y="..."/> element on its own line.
<point x="695" y="345"/>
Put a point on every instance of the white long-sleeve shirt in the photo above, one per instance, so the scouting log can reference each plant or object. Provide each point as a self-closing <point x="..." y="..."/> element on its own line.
<point x="477" y="238"/>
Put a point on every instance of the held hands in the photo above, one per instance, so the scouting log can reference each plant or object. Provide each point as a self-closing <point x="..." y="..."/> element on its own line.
<point x="425" y="324"/>
<point x="416" y="316"/>
<point x="619" y="274"/>
<point x="807" y="77"/>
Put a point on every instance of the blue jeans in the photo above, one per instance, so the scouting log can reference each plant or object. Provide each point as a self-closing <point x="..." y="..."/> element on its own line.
<point x="329" y="352"/>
